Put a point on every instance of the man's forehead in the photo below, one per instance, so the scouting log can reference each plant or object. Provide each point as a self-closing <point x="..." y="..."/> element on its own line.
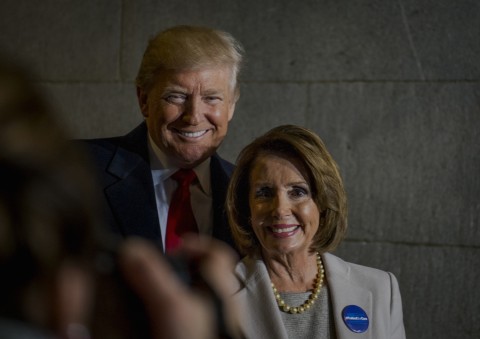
<point x="204" y="79"/>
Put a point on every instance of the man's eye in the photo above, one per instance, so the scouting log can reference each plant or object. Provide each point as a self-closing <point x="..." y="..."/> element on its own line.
<point x="212" y="99"/>
<point x="175" y="98"/>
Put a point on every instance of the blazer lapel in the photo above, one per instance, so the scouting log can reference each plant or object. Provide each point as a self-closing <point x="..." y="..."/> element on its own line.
<point x="344" y="293"/>
<point x="260" y="318"/>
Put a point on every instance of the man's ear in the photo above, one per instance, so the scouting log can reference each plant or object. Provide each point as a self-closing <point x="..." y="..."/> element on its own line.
<point x="142" y="97"/>
<point x="231" y="109"/>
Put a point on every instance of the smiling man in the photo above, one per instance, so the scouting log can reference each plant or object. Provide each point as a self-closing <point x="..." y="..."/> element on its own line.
<point x="187" y="90"/>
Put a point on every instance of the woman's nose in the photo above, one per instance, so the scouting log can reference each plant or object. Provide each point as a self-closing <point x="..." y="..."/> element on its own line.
<point x="280" y="206"/>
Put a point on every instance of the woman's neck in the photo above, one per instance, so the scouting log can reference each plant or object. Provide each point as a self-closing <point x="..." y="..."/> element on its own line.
<point x="295" y="272"/>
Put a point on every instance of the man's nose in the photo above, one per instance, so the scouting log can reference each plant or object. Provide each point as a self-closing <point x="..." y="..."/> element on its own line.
<point x="192" y="111"/>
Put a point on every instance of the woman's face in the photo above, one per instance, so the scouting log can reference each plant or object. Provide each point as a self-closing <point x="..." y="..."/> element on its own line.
<point x="284" y="215"/>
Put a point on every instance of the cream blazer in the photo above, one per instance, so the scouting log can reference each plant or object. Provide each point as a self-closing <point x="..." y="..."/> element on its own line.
<point x="375" y="291"/>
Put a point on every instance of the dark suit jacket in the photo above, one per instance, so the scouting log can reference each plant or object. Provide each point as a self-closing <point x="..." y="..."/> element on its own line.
<point x="125" y="176"/>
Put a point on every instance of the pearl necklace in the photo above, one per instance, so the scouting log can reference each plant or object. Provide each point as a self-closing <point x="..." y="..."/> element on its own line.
<point x="311" y="299"/>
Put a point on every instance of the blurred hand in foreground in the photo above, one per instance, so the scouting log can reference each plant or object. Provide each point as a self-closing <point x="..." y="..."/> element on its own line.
<point x="175" y="309"/>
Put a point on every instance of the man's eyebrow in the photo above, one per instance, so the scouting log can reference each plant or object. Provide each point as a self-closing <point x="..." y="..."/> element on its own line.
<point x="212" y="92"/>
<point x="175" y="88"/>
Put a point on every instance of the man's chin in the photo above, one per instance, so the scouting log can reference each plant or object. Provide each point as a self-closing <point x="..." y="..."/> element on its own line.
<point x="192" y="158"/>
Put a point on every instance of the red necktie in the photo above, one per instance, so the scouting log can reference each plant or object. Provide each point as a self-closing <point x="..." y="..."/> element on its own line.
<point x="180" y="215"/>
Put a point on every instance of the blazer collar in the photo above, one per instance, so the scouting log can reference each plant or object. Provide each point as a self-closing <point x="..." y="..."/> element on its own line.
<point x="258" y="321"/>
<point x="343" y="293"/>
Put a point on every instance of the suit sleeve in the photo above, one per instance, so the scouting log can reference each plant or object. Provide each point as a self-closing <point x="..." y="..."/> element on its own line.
<point x="397" y="329"/>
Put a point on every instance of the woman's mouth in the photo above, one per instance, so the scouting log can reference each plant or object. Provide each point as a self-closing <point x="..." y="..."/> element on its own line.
<point x="283" y="231"/>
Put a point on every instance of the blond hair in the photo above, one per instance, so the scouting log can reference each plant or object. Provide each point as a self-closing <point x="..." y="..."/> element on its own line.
<point x="189" y="48"/>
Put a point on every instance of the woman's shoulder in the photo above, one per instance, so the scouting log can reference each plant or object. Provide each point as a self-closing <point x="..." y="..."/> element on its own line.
<point x="342" y="269"/>
<point x="251" y="269"/>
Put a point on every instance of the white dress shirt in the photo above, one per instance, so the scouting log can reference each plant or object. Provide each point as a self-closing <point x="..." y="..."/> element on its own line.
<point x="164" y="186"/>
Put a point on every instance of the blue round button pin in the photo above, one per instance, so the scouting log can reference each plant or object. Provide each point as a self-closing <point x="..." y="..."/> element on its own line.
<point x="355" y="318"/>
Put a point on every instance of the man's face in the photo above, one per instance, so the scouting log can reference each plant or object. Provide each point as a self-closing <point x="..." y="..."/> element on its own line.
<point x="187" y="112"/>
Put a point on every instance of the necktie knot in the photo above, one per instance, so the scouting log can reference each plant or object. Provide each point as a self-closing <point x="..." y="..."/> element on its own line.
<point x="184" y="176"/>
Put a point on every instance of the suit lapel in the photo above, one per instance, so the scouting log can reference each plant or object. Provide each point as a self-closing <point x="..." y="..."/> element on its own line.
<point x="135" y="212"/>
<point x="344" y="293"/>
<point x="220" y="173"/>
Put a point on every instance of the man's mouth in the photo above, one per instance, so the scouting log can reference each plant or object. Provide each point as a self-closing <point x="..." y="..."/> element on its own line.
<point x="196" y="134"/>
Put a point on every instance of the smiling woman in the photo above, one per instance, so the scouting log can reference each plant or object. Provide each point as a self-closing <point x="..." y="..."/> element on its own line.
<point x="287" y="209"/>
<point x="284" y="216"/>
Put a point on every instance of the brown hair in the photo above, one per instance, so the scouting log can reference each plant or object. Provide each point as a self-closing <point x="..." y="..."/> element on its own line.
<point x="324" y="181"/>
<point x="187" y="48"/>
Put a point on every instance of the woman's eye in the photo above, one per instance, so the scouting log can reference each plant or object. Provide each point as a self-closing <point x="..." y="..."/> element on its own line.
<point x="263" y="192"/>
<point x="298" y="192"/>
